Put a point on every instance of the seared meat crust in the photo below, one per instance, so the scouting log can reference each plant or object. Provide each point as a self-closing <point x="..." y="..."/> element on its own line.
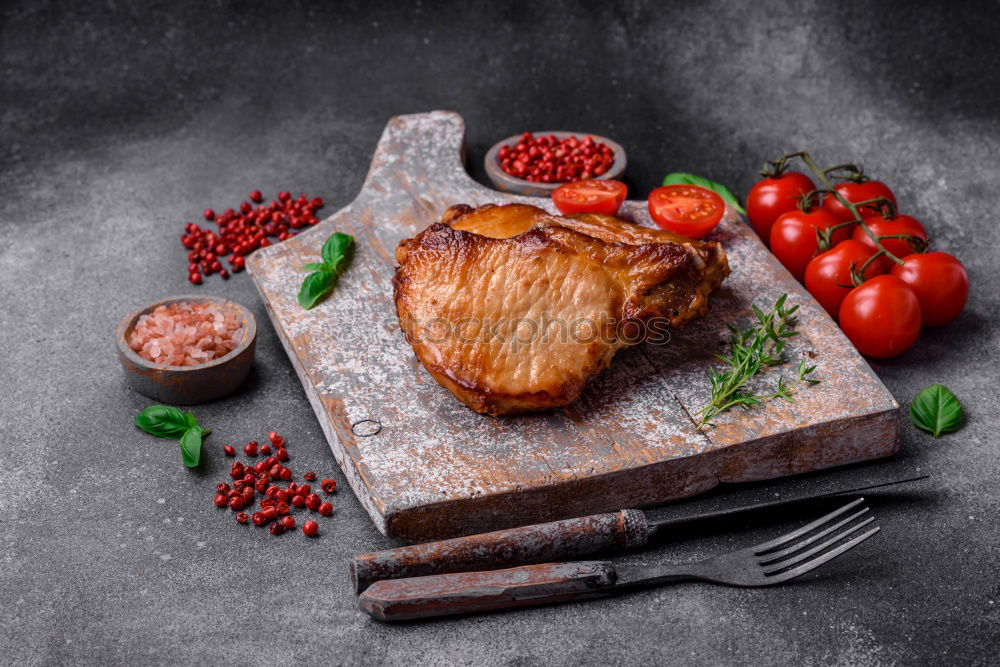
<point x="513" y="309"/>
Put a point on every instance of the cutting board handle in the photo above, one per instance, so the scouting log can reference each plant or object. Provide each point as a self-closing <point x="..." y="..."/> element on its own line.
<point x="538" y="543"/>
<point x="469" y="592"/>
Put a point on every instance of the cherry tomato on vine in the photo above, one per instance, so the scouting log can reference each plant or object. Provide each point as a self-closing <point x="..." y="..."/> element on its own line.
<point x="593" y="196"/>
<point x="793" y="238"/>
<point x="828" y="275"/>
<point x="770" y="197"/>
<point x="881" y="317"/>
<point x="687" y="210"/>
<point x="854" y="193"/>
<point x="940" y="282"/>
<point x="901" y="225"/>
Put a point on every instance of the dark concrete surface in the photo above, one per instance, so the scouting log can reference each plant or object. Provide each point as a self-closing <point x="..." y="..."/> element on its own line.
<point x="122" y="120"/>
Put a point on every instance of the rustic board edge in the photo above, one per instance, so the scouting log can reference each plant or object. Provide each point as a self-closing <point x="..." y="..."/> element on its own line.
<point x="818" y="447"/>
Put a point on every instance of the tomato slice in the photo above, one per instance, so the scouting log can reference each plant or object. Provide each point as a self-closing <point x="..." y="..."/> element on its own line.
<point x="593" y="196"/>
<point x="687" y="210"/>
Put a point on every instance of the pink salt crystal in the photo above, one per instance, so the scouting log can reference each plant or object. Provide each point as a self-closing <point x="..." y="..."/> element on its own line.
<point x="186" y="334"/>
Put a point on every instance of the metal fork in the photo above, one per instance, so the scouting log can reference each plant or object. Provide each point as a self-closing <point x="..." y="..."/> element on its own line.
<point x="773" y="562"/>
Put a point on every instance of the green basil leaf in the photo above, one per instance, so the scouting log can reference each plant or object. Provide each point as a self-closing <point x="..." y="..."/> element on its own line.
<point x="337" y="251"/>
<point x="679" y="178"/>
<point x="316" y="286"/>
<point x="163" y="422"/>
<point x="191" y="446"/>
<point x="314" y="266"/>
<point x="937" y="410"/>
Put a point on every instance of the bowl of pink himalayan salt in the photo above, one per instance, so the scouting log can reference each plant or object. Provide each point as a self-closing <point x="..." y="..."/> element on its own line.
<point x="187" y="349"/>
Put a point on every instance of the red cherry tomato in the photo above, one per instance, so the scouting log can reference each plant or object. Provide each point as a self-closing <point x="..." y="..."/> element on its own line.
<point x="594" y="196"/>
<point x="686" y="209"/>
<point x="899" y="225"/>
<point x="770" y="197"/>
<point x="854" y="193"/>
<point x="940" y="283"/>
<point x="828" y="272"/>
<point x="793" y="238"/>
<point x="881" y="317"/>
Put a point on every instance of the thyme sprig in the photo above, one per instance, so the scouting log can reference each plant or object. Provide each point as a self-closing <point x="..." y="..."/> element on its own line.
<point x="751" y="351"/>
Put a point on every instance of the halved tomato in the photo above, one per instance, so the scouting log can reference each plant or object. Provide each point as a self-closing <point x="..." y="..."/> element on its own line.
<point x="593" y="196"/>
<point x="686" y="209"/>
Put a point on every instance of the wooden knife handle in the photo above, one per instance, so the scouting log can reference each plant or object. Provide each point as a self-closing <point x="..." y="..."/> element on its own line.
<point x="539" y="543"/>
<point x="468" y="592"/>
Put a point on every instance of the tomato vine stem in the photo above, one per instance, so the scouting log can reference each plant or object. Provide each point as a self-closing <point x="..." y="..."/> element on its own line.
<point x="827" y="184"/>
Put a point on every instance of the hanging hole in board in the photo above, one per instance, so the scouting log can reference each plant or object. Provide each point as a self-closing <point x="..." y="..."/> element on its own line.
<point x="366" y="428"/>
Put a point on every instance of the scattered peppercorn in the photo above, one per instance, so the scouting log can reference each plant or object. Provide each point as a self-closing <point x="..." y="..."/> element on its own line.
<point x="276" y="503"/>
<point x="243" y="231"/>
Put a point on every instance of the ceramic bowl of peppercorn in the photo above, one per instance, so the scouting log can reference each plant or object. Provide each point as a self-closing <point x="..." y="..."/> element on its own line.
<point x="187" y="349"/>
<point x="536" y="163"/>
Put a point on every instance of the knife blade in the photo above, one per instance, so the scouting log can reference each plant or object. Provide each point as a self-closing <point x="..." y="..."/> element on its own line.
<point x="566" y="539"/>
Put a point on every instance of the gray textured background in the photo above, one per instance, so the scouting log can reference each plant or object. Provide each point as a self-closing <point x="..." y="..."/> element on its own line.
<point x="122" y="120"/>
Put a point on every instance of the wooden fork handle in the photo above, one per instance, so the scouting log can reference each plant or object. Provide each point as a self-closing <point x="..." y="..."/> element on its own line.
<point x="539" y="543"/>
<point x="468" y="592"/>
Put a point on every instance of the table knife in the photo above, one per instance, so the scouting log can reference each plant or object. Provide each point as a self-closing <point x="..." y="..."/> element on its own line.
<point x="567" y="539"/>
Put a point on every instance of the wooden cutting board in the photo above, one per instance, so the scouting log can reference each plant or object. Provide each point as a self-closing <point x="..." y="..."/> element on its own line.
<point x="436" y="469"/>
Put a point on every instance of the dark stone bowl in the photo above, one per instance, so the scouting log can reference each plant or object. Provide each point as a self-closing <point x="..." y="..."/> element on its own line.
<point x="507" y="183"/>
<point x="188" y="385"/>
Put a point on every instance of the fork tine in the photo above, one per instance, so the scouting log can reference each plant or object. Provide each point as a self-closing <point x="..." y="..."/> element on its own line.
<point x="762" y="549"/>
<point x="775" y="567"/>
<point x="816" y="562"/>
<point x="798" y="546"/>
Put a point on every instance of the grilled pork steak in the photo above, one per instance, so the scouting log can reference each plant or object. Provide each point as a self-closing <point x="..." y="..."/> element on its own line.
<point x="513" y="310"/>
